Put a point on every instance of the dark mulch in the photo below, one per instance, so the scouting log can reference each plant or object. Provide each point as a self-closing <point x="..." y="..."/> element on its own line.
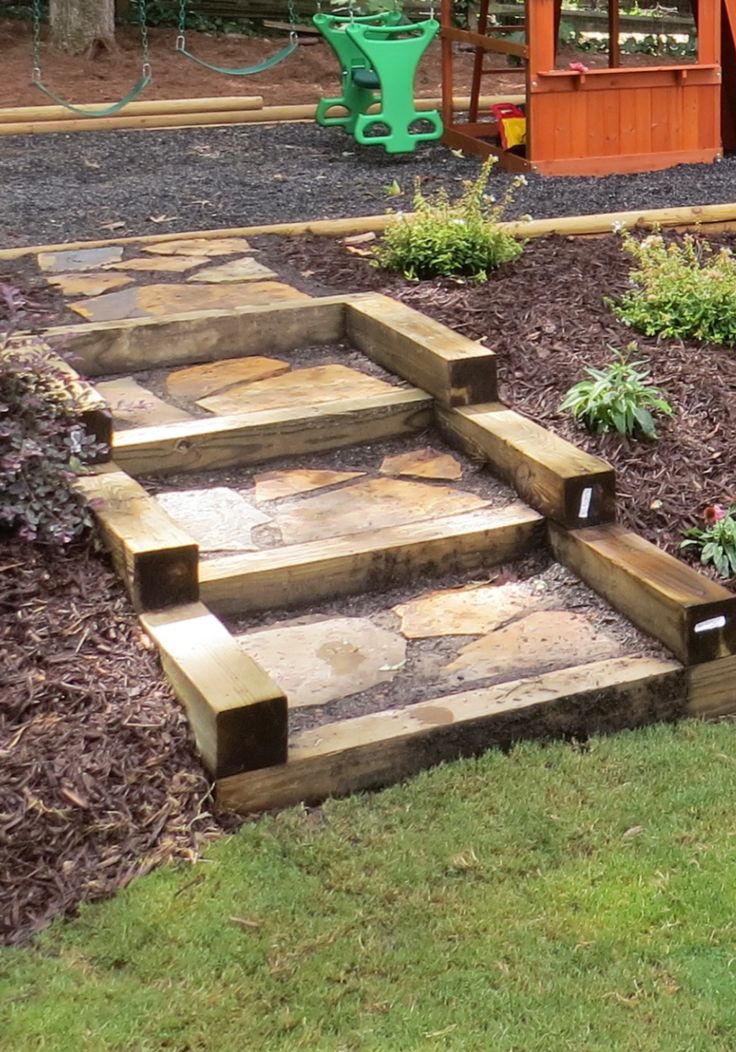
<point x="99" y="778"/>
<point x="545" y="317"/>
<point x="64" y="187"/>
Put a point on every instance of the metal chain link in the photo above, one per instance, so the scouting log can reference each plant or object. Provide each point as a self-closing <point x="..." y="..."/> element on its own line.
<point x="36" y="68"/>
<point x="181" y="39"/>
<point x="145" y="42"/>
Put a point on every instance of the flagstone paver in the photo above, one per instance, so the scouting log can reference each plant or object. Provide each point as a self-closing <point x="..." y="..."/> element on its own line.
<point x="245" y="269"/>
<point x="155" y="301"/>
<point x="467" y="611"/>
<point x="219" y="519"/>
<point x="368" y="505"/>
<point x="131" y="403"/>
<point x="164" y="264"/>
<point x="301" y="387"/>
<point x="223" y="246"/>
<point x="542" y="641"/>
<point x="423" y="463"/>
<point x="327" y="660"/>
<point x="273" y="485"/>
<point x="79" y="258"/>
<point x="200" y="381"/>
<point x="89" y="284"/>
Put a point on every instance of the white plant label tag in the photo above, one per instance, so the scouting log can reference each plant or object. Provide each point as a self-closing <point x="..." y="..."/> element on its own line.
<point x="711" y="624"/>
<point x="585" y="498"/>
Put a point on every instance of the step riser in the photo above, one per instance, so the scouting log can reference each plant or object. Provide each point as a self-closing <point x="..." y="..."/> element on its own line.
<point x="232" y="441"/>
<point x="307" y="573"/>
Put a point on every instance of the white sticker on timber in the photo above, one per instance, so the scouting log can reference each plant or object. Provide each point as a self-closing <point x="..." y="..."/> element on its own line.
<point x="326" y="660"/>
<point x="711" y="624"/>
<point x="219" y="519"/>
<point x="585" y="499"/>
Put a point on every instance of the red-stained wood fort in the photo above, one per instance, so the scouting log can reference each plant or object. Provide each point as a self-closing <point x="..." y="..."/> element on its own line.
<point x="610" y="119"/>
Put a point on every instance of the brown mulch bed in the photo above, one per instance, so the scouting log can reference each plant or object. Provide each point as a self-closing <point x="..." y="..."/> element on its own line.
<point x="99" y="778"/>
<point x="544" y="316"/>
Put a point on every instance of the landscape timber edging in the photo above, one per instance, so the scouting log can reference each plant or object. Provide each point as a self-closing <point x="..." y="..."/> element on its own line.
<point x="697" y="217"/>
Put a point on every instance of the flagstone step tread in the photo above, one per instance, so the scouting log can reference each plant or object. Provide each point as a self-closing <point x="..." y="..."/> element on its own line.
<point x="157" y="301"/>
<point x="134" y="405"/>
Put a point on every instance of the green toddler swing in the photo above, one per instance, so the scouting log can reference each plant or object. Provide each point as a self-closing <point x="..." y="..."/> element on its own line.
<point x="378" y="56"/>
<point x="106" y="111"/>
<point x="239" y="71"/>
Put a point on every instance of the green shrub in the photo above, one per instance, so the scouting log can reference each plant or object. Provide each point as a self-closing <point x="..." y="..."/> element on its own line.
<point x="717" y="542"/>
<point x="42" y="443"/>
<point x="618" y="398"/>
<point x="447" y="238"/>
<point x="683" y="290"/>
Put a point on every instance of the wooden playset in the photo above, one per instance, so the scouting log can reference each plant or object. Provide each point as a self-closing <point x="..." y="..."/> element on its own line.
<point x="597" y="121"/>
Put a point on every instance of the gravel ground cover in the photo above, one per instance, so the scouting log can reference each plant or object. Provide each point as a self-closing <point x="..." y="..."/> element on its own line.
<point x="63" y="187"/>
<point x="544" y="315"/>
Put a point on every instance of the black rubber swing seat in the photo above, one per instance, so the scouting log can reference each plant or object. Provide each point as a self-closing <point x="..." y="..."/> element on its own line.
<point x="365" y="78"/>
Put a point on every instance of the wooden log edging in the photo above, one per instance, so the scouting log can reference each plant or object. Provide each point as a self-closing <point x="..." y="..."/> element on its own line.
<point x="373" y="751"/>
<point x="156" y="560"/>
<point x="238" y="714"/>
<point x="691" y="615"/>
<point x="700" y="217"/>
<point x="184" y="113"/>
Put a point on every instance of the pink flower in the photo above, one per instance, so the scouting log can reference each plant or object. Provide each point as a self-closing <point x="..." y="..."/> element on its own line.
<point x="579" y="67"/>
<point x="714" y="513"/>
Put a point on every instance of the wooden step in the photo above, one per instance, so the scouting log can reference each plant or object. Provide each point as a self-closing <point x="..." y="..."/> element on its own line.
<point x="254" y="438"/>
<point x="553" y="476"/>
<point x="236" y="711"/>
<point x="305" y="573"/>
<point x="376" y="750"/>
<point x="155" y="558"/>
<point x="690" y="614"/>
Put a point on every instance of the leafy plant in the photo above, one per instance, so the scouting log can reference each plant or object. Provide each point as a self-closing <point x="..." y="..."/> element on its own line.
<point x="717" y="541"/>
<point x="42" y="442"/>
<point x="447" y="238"/>
<point x="618" y="398"/>
<point x="684" y="290"/>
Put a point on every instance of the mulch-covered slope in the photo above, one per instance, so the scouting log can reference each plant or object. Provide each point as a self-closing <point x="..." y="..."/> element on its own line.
<point x="99" y="779"/>
<point x="544" y="315"/>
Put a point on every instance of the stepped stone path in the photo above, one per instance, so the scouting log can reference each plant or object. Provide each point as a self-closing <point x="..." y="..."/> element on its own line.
<point x="114" y="288"/>
<point x="334" y="616"/>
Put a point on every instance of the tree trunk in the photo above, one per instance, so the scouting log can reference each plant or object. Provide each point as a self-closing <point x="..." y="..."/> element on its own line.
<point x="82" y="27"/>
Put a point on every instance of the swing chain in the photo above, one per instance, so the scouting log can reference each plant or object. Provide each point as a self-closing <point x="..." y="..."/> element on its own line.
<point x="145" y="42"/>
<point x="36" y="72"/>
<point x="142" y="19"/>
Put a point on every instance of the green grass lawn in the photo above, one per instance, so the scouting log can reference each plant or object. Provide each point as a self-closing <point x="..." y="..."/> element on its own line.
<point x="549" y="899"/>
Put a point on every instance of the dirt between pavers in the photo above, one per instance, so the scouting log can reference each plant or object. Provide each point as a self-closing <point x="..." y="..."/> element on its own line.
<point x="417" y="681"/>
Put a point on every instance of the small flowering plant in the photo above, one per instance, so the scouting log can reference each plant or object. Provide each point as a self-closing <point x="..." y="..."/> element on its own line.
<point x="682" y="290"/>
<point x="445" y="238"/>
<point x="619" y="398"/>
<point x="716" y="540"/>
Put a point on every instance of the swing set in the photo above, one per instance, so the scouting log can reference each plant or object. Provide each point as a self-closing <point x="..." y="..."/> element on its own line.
<point x="378" y="56"/>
